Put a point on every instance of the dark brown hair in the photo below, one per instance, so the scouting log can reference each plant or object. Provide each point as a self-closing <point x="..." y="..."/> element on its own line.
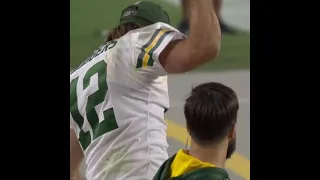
<point x="121" y="30"/>
<point x="211" y="112"/>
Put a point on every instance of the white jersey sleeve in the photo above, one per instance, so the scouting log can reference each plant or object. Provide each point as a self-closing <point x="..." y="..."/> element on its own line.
<point x="151" y="41"/>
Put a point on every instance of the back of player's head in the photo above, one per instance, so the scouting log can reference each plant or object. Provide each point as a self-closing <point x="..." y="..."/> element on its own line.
<point x="211" y="113"/>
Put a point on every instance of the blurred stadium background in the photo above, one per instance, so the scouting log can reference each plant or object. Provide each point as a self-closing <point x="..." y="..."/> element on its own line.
<point x="90" y="19"/>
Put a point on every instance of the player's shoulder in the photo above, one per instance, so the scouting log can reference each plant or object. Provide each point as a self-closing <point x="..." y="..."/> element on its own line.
<point x="145" y="33"/>
<point x="159" y="25"/>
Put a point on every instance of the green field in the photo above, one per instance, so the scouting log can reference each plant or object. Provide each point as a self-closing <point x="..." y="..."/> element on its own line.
<point x="88" y="18"/>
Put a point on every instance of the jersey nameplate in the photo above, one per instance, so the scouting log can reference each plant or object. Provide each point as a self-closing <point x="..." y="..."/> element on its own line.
<point x="104" y="47"/>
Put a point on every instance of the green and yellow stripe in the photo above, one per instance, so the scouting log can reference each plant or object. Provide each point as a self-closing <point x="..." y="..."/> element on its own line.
<point x="145" y="57"/>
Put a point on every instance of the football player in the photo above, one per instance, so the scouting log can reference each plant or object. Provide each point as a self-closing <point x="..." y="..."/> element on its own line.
<point x="119" y="95"/>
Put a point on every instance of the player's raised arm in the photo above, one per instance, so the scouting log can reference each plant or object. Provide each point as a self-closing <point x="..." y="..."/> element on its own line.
<point x="203" y="44"/>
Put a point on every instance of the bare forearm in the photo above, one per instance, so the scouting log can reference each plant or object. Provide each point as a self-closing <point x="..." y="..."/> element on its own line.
<point x="205" y="34"/>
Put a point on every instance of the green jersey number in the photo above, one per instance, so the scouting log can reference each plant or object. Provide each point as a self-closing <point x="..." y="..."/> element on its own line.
<point x="109" y="122"/>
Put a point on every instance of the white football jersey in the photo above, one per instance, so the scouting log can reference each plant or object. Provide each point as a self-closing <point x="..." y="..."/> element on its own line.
<point x="118" y="98"/>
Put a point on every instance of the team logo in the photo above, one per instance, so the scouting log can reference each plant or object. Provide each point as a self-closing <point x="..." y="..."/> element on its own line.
<point x="130" y="11"/>
<point x="137" y="2"/>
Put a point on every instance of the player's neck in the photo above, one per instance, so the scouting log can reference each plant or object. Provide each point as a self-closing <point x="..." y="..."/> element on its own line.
<point x="215" y="155"/>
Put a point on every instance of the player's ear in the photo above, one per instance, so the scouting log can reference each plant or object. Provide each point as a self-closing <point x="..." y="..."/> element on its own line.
<point x="188" y="142"/>
<point x="188" y="131"/>
<point x="232" y="133"/>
